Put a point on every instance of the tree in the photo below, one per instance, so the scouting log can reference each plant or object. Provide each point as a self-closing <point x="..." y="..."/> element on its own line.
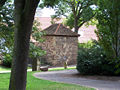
<point x="6" y="32"/>
<point x="108" y="16"/>
<point x="24" y="16"/>
<point x="78" y="12"/>
<point x="35" y="50"/>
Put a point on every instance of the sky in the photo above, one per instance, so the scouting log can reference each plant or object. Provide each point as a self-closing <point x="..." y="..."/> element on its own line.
<point x="46" y="12"/>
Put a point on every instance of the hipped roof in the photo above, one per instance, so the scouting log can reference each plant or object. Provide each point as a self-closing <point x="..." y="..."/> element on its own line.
<point x="59" y="30"/>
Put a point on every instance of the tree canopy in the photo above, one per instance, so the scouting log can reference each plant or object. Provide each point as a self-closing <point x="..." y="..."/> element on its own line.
<point x="77" y="12"/>
<point x="108" y="17"/>
<point x="108" y="29"/>
<point x="6" y="26"/>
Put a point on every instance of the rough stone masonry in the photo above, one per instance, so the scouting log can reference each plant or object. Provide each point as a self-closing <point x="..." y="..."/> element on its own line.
<point x="61" y="45"/>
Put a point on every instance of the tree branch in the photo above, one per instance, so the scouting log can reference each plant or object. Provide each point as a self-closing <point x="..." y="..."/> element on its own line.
<point x="87" y="20"/>
<point x="81" y="24"/>
<point x="77" y="6"/>
<point x="79" y="13"/>
<point x="73" y="9"/>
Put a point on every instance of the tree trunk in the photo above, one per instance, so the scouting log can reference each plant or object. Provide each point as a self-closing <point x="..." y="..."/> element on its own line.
<point x="24" y="16"/>
<point x="34" y="64"/>
<point x="76" y="25"/>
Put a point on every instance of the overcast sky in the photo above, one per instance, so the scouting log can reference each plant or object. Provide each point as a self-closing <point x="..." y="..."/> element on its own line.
<point x="46" y="12"/>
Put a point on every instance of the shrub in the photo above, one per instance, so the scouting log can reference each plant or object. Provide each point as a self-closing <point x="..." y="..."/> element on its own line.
<point x="89" y="44"/>
<point x="7" y="60"/>
<point x="92" y="60"/>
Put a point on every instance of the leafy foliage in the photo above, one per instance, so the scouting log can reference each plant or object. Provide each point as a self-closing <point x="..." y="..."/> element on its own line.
<point x="84" y="17"/>
<point x="77" y="11"/>
<point x="48" y="3"/>
<point x="108" y="16"/>
<point x="35" y="50"/>
<point x="7" y="59"/>
<point x="6" y="26"/>
<point x="87" y="45"/>
<point x="93" y="60"/>
<point x="7" y="35"/>
<point x="2" y="2"/>
<point x="36" y="32"/>
<point x="6" y="32"/>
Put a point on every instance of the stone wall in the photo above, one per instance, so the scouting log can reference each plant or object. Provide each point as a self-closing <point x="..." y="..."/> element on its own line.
<point x="60" y="49"/>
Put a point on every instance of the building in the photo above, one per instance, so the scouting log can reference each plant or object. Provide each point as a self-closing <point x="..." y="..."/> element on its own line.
<point x="86" y="32"/>
<point x="61" y="45"/>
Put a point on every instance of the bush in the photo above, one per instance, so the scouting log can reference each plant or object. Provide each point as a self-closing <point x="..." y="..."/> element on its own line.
<point x="89" y="44"/>
<point x="92" y="60"/>
<point x="7" y="60"/>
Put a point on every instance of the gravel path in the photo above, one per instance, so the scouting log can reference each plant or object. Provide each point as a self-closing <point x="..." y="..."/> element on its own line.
<point x="65" y="76"/>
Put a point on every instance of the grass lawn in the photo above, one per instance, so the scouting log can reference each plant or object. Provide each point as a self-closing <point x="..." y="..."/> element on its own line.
<point x="2" y="68"/>
<point x="38" y="84"/>
<point x="61" y="68"/>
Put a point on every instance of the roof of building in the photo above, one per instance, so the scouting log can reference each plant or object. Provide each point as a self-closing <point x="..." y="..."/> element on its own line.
<point x="59" y="30"/>
<point x="86" y="33"/>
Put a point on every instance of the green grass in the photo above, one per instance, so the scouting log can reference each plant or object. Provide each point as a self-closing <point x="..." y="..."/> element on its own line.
<point x="2" y="68"/>
<point x="38" y="84"/>
<point x="61" y="68"/>
<point x="50" y="69"/>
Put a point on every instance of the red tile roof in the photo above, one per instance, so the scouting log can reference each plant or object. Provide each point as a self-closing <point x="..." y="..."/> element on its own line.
<point x="59" y="30"/>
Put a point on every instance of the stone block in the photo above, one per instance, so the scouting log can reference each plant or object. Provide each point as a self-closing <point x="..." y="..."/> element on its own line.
<point x="44" y="68"/>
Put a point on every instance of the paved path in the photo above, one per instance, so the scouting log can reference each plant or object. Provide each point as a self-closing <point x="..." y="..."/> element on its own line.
<point x="9" y="71"/>
<point x="64" y="76"/>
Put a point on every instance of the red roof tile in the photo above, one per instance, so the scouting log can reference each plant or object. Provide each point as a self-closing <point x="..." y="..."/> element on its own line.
<point x="60" y="30"/>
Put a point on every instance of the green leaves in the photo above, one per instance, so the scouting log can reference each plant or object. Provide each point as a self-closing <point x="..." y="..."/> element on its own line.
<point x="6" y="28"/>
<point x="2" y="2"/>
<point x="77" y="11"/>
<point x="70" y="21"/>
<point x="35" y="50"/>
<point x="48" y="3"/>
<point x="84" y="17"/>
<point x="36" y="32"/>
<point x="108" y="26"/>
<point x="92" y="60"/>
<point x="108" y="16"/>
